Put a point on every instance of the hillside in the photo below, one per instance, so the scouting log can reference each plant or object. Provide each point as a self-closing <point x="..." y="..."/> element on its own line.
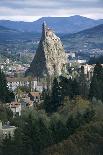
<point x="2" y="28"/>
<point x="84" y="40"/>
<point x="71" y="24"/>
<point x="19" y="41"/>
<point x="86" y="141"/>
<point x="8" y="34"/>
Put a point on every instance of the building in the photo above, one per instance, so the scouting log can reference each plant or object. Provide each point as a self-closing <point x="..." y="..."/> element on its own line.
<point x="15" y="108"/>
<point x="26" y="102"/>
<point x="13" y="83"/>
<point x="35" y="97"/>
<point x="32" y="83"/>
<point x="40" y="86"/>
<point x="88" y="71"/>
<point x="81" y="61"/>
<point x="6" y="130"/>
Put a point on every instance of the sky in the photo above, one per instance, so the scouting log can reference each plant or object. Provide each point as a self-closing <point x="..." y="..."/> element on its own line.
<point x="31" y="10"/>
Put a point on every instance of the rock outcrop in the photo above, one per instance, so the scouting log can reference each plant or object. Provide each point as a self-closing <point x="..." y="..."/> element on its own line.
<point x="50" y="58"/>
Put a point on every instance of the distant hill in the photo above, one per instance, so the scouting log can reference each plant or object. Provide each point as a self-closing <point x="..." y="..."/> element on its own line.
<point x="83" y="40"/>
<point x="71" y="24"/>
<point x="5" y="29"/>
<point x="95" y="60"/>
<point x="87" y="39"/>
<point x="8" y="34"/>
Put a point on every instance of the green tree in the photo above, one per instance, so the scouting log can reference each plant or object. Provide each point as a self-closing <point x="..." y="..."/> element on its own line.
<point x="5" y="94"/>
<point x="5" y="113"/>
<point x="69" y="87"/>
<point x="75" y="88"/>
<point x="7" y="146"/>
<point x="66" y="86"/>
<point x="36" y="135"/>
<point x="83" y="84"/>
<point x="96" y="86"/>
<point x="56" y="96"/>
<point x="59" y="131"/>
<point x="47" y="102"/>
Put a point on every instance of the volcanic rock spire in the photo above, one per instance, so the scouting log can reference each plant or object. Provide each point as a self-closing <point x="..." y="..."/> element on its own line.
<point x="50" y="58"/>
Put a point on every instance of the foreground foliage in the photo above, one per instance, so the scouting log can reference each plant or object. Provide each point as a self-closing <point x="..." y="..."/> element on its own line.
<point x="86" y="141"/>
<point x="71" y="125"/>
<point x="58" y="133"/>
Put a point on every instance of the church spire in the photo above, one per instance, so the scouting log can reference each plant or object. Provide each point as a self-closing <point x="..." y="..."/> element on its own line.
<point x="44" y="27"/>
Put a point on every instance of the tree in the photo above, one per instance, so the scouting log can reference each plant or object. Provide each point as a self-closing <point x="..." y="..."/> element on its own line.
<point x="36" y="134"/>
<point x="5" y="114"/>
<point x="75" y="88"/>
<point x="96" y="86"/>
<point x="59" y="131"/>
<point x="5" y="94"/>
<point x="62" y="87"/>
<point x="47" y="102"/>
<point x="66" y="86"/>
<point x="56" y="96"/>
<point x="83" y="84"/>
<point x="69" y="87"/>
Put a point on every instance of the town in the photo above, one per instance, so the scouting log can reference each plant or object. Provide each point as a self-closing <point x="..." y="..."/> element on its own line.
<point x="51" y="100"/>
<point x="28" y="90"/>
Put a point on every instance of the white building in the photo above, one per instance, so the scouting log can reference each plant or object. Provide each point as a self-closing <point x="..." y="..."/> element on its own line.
<point x="6" y="130"/>
<point x="81" y="61"/>
<point x="15" y="108"/>
<point x="13" y="83"/>
<point x="88" y="71"/>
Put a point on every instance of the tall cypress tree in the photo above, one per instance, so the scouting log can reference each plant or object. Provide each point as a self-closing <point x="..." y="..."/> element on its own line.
<point x="75" y="88"/>
<point x="96" y="86"/>
<point x="83" y="83"/>
<point x="5" y="94"/>
<point x="56" y="97"/>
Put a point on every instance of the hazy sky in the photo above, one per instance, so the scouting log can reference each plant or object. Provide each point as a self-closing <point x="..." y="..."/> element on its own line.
<point x="30" y="10"/>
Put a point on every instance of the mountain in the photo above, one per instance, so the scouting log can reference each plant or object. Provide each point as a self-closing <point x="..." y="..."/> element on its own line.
<point x="5" y="29"/>
<point x="8" y="34"/>
<point x="71" y="24"/>
<point x="85" y="40"/>
<point x="50" y="57"/>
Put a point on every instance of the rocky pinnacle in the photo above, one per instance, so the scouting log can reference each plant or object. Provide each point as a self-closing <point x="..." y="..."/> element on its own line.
<point x="50" y="58"/>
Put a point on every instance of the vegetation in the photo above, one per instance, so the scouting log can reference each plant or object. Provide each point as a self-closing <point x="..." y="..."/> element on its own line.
<point x="5" y="94"/>
<point x="66" y="124"/>
<point x="5" y="113"/>
<point x="37" y="131"/>
<point x="75" y="128"/>
<point x="96" y="86"/>
<point x="62" y="87"/>
<point x="86" y="141"/>
<point x="83" y="84"/>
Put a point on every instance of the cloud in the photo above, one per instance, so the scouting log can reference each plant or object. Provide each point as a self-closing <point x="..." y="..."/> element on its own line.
<point x="33" y="9"/>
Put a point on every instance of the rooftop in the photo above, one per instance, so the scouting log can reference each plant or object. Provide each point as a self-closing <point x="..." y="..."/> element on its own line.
<point x="8" y="127"/>
<point x="14" y="105"/>
<point x="24" y="79"/>
<point x="35" y="94"/>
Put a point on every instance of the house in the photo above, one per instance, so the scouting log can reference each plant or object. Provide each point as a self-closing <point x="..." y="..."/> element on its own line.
<point x="35" y="96"/>
<point x="26" y="103"/>
<point x="13" y="83"/>
<point x="88" y="71"/>
<point x="6" y="130"/>
<point x="40" y="86"/>
<point x="15" y="108"/>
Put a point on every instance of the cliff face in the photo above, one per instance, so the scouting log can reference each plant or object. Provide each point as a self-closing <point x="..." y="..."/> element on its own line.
<point x="50" y="57"/>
